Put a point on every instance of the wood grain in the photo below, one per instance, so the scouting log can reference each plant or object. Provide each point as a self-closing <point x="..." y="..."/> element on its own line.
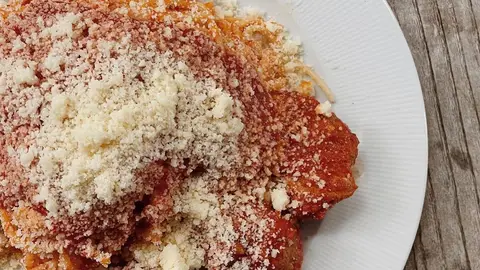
<point x="444" y="38"/>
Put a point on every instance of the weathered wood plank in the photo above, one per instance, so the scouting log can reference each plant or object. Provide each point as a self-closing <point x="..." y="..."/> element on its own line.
<point x="464" y="145"/>
<point x="469" y="95"/>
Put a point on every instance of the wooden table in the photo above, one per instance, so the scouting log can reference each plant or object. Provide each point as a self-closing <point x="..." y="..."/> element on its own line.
<point x="444" y="38"/>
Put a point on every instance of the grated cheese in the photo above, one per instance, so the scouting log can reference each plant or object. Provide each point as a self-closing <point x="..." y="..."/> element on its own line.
<point x="24" y="74"/>
<point x="324" y="108"/>
<point x="280" y="199"/>
<point x="97" y="132"/>
<point x="26" y="157"/>
<point x="52" y="62"/>
<point x="17" y="44"/>
<point x="11" y="261"/>
<point x="171" y="259"/>
<point x="63" y="26"/>
<point x="147" y="256"/>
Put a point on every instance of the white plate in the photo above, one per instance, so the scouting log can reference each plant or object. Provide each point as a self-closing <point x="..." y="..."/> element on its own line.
<point x="358" y="47"/>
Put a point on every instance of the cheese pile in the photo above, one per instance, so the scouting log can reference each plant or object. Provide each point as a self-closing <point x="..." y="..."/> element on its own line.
<point x="101" y="124"/>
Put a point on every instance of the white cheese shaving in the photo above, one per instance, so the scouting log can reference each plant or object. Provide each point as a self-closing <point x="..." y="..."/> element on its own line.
<point x="63" y="27"/>
<point x="25" y="75"/>
<point x="171" y="259"/>
<point x="280" y="199"/>
<point x="18" y="45"/>
<point x="53" y="62"/>
<point x="324" y="108"/>
<point x="27" y="156"/>
<point x="148" y="256"/>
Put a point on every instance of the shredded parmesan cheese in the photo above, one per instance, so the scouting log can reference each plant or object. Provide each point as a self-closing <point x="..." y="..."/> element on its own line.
<point x="280" y="199"/>
<point x="324" y="109"/>
<point x="97" y="132"/>
<point x="170" y="259"/>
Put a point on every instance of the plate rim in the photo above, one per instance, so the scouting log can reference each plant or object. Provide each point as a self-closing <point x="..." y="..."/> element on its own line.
<point x="421" y="203"/>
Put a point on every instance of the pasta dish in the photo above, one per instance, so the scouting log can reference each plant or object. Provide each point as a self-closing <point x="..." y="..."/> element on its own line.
<point x="171" y="134"/>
